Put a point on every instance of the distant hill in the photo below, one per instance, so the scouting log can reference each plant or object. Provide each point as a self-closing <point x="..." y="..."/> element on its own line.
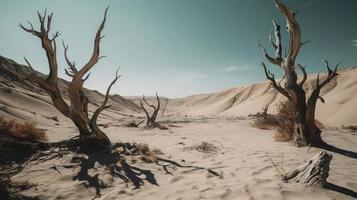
<point x="339" y="109"/>
<point x="20" y="99"/>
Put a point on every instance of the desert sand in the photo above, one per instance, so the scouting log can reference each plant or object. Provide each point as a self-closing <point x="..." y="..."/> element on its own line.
<point x="240" y="154"/>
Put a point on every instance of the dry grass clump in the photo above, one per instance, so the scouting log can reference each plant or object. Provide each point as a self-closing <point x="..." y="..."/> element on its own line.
<point x="282" y="122"/>
<point x="204" y="147"/>
<point x="267" y="122"/>
<point x="21" y="131"/>
<point x="285" y="121"/>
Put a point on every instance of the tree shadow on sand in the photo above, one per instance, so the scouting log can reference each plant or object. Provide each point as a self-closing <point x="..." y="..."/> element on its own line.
<point x="334" y="149"/>
<point x="115" y="163"/>
<point x="94" y="160"/>
<point x="340" y="189"/>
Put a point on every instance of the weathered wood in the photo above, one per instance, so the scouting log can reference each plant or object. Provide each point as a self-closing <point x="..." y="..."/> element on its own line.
<point x="305" y="130"/>
<point x="77" y="110"/>
<point x="314" y="173"/>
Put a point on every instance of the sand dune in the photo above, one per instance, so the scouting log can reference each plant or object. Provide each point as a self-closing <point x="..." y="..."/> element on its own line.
<point x="339" y="95"/>
<point x="240" y="154"/>
<point x="23" y="100"/>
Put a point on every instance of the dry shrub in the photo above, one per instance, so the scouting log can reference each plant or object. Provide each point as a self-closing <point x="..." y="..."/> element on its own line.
<point x="204" y="147"/>
<point x="21" y="131"/>
<point x="267" y="122"/>
<point x="285" y="121"/>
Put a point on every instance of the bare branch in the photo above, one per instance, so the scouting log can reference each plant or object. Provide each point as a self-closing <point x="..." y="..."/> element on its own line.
<point x="28" y="64"/>
<point x="163" y="110"/>
<point x="95" y="55"/>
<point x="294" y="34"/>
<point x="305" y="42"/>
<point x="301" y="8"/>
<point x="277" y="43"/>
<point x="70" y="64"/>
<point x="269" y="58"/>
<point x="146" y="112"/>
<point x="330" y="74"/>
<point x="93" y="121"/>
<point x="270" y="77"/>
<point x="150" y="105"/>
<point x="302" y="68"/>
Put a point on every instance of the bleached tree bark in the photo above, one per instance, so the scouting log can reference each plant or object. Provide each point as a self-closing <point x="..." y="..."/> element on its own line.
<point x="313" y="173"/>
<point x="306" y="132"/>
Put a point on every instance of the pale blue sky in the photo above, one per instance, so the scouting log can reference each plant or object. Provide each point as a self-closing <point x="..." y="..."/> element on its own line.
<point x="178" y="47"/>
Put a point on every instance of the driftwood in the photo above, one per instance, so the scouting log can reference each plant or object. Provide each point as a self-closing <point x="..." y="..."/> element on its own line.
<point x="314" y="173"/>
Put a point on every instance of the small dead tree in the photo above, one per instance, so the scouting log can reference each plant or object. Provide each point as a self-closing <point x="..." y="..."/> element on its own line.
<point x="305" y="130"/>
<point x="77" y="110"/>
<point x="151" y="119"/>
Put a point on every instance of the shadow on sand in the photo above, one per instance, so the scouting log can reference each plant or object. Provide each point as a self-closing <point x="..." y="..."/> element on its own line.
<point x="343" y="190"/>
<point x="334" y="149"/>
<point x="115" y="163"/>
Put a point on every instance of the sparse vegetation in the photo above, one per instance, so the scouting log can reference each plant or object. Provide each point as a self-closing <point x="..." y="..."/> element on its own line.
<point x="204" y="147"/>
<point x="20" y="131"/>
<point x="283" y="122"/>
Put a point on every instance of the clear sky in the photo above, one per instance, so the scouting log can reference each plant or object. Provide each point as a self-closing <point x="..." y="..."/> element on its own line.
<point x="179" y="47"/>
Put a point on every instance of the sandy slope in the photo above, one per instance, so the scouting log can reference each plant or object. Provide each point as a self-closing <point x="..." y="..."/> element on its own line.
<point x="340" y="97"/>
<point x="22" y="100"/>
<point x="241" y="158"/>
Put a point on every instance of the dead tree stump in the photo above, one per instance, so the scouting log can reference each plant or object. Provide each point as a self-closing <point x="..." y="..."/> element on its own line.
<point x="314" y="173"/>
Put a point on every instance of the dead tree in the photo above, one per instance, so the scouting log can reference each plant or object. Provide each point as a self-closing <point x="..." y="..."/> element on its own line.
<point x="305" y="130"/>
<point x="151" y="119"/>
<point x="313" y="173"/>
<point x="77" y="110"/>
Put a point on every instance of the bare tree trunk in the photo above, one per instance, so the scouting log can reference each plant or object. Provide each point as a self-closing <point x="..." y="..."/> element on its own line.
<point x="77" y="111"/>
<point x="305" y="130"/>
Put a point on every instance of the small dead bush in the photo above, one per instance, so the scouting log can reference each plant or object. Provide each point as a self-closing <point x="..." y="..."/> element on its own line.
<point x="267" y="122"/>
<point x="285" y="121"/>
<point x="21" y="131"/>
<point x="204" y="147"/>
<point x="282" y="122"/>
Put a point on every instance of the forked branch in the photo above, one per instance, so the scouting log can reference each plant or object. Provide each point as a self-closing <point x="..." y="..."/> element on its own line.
<point x="270" y="76"/>
<point x="151" y="119"/>
<point x="93" y="122"/>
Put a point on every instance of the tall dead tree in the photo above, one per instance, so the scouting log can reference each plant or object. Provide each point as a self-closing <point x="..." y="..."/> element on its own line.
<point x="305" y="131"/>
<point x="151" y="119"/>
<point x="77" y="110"/>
